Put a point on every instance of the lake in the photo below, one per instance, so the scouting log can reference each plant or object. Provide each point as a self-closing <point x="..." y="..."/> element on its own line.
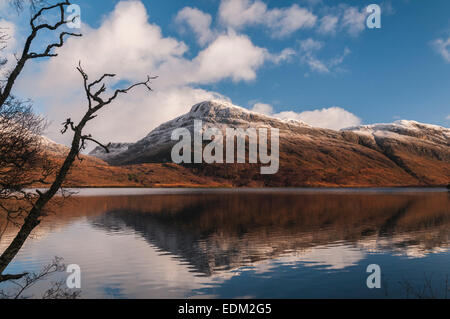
<point x="266" y="243"/>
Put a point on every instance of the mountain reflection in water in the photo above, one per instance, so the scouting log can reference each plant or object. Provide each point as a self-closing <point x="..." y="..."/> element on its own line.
<point x="216" y="233"/>
<point x="225" y="231"/>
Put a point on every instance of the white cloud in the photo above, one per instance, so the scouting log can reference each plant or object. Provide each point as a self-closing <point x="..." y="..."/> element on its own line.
<point x="3" y="4"/>
<point x="328" y="24"/>
<point x="111" y="48"/>
<point x="262" y="108"/>
<point x="8" y="30"/>
<point x="288" y="20"/>
<point x="7" y="45"/>
<point x="343" y="18"/>
<point x="334" y="118"/>
<point x="310" y="45"/>
<point x="354" y="20"/>
<point x="281" y="21"/>
<point x="442" y="47"/>
<point x="340" y="58"/>
<point x="309" y="49"/>
<point x="229" y="56"/>
<point x="240" y="13"/>
<point x="127" y="44"/>
<point x="448" y="117"/>
<point x="315" y="64"/>
<point x="198" y="21"/>
<point x="285" y="55"/>
<point x="132" y="116"/>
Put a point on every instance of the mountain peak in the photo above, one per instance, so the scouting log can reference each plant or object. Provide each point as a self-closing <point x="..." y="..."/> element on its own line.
<point x="213" y="113"/>
<point x="220" y="109"/>
<point x="207" y="107"/>
<point x="214" y="109"/>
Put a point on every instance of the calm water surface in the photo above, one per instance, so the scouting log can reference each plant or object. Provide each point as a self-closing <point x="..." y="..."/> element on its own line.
<point x="138" y="243"/>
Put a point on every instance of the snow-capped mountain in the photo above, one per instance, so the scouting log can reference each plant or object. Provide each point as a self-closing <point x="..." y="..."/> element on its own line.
<point x="114" y="150"/>
<point x="405" y="129"/>
<point x="403" y="153"/>
<point x="156" y="146"/>
<point x="421" y="150"/>
<point x="52" y="147"/>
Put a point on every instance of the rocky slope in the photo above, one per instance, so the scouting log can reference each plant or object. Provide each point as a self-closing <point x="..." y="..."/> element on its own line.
<point x="114" y="150"/>
<point x="421" y="150"/>
<point x="157" y="145"/>
<point x="404" y="153"/>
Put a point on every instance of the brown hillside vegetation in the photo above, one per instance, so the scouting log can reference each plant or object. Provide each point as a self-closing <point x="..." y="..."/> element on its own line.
<point x="92" y="172"/>
<point x="400" y="154"/>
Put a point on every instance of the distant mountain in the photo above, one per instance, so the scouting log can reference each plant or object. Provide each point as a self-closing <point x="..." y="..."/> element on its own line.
<point x="421" y="150"/>
<point x="157" y="145"/>
<point x="404" y="153"/>
<point x="114" y="150"/>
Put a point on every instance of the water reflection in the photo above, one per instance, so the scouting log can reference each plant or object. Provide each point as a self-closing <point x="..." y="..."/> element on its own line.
<point x="198" y="240"/>
<point x="226" y="231"/>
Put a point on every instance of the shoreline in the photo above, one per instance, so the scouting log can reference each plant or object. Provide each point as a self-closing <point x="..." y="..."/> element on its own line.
<point x="131" y="191"/>
<point x="283" y="187"/>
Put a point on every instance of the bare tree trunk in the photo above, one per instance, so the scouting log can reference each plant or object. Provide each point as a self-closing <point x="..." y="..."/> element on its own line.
<point x="78" y="144"/>
<point x="12" y="78"/>
<point x="32" y="220"/>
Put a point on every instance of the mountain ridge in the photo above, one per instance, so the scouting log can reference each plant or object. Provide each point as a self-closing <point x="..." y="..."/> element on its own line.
<point x="215" y="112"/>
<point x="403" y="153"/>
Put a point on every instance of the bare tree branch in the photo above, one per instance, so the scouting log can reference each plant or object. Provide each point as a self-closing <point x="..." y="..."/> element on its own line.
<point x="68" y="124"/>
<point x="33" y="4"/>
<point x="27" y="55"/>
<point x="14" y="183"/>
<point x="47" y="53"/>
<point x="23" y="282"/>
<point x="22" y="162"/>
<point x="89" y="138"/>
<point x="78" y="143"/>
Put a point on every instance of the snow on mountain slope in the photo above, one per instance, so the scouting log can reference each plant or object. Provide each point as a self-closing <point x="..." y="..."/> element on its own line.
<point x="52" y="147"/>
<point x="405" y="130"/>
<point x="213" y="114"/>
<point x="421" y="150"/>
<point x="404" y="153"/>
<point x="157" y="144"/>
<point x="114" y="150"/>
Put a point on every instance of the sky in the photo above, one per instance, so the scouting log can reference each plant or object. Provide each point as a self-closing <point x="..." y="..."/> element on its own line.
<point x="312" y="60"/>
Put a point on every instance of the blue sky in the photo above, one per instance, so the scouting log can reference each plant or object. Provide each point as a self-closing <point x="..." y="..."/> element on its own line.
<point x="392" y="72"/>
<point x="401" y="71"/>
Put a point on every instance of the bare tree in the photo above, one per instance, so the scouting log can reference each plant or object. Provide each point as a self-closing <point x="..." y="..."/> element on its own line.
<point x="38" y="25"/>
<point x="56" y="291"/>
<point x="22" y="163"/>
<point x="3" y="40"/>
<point x="33" y="4"/>
<point x="95" y="102"/>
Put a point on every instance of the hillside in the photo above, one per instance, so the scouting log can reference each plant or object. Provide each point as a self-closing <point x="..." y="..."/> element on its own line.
<point x="94" y="172"/>
<point x="404" y="153"/>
